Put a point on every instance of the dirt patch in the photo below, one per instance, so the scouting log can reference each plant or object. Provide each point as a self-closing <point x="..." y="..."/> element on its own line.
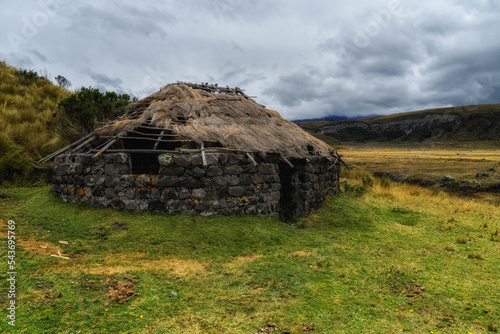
<point x="133" y="262"/>
<point x="245" y="259"/>
<point x="120" y="291"/>
<point x="2" y="224"/>
<point x="302" y="253"/>
<point x="40" y="247"/>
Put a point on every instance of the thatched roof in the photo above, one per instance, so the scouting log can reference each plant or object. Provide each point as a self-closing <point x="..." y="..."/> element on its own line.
<point x="212" y="118"/>
<point x="232" y="120"/>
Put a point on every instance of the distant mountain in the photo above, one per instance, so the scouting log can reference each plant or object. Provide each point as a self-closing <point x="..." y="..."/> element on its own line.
<point x="454" y="124"/>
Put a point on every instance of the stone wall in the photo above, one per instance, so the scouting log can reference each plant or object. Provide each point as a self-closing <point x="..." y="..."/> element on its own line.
<point x="229" y="185"/>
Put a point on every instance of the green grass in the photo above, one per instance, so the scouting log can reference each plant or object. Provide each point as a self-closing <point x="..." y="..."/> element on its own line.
<point x="378" y="260"/>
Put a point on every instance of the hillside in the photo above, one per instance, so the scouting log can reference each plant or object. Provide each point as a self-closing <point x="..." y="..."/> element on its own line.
<point x="27" y="104"/>
<point x="450" y="125"/>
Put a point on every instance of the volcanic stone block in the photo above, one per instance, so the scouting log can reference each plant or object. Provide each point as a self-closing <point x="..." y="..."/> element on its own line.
<point x="130" y="205"/>
<point x="196" y="160"/>
<point x="109" y="193"/>
<point x="181" y="161"/>
<point x="157" y="206"/>
<point x="165" y="160"/>
<point x="233" y="170"/>
<point x="110" y="170"/>
<point x="214" y="171"/>
<point x="127" y="181"/>
<point x="233" y="159"/>
<point x="142" y="181"/>
<point x="172" y="171"/>
<point x="184" y="193"/>
<point x="236" y="191"/>
<point x="155" y="193"/>
<point x="196" y="172"/>
<point x="167" y="182"/>
<point x="220" y="180"/>
<point x="221" y="192"/>
<point x="198" y="193"/>
<point x="190" y="183"/>
<point x="170" y="194"/>
<point x="233" y="180"/>
<point x="89" y="181"/>
<point x="120" y="158"/>
<point x="211" y="159"/>
<point x="223" y="159"/>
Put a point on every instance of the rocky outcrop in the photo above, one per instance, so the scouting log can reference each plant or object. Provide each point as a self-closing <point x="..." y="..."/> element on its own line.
<point x="404" y="129"/>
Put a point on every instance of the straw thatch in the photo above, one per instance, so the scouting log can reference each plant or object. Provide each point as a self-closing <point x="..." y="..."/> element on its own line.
<point x="232" y="120"/>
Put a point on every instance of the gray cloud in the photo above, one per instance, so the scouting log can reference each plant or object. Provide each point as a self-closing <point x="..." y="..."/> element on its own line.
<point x="304" y="59"/>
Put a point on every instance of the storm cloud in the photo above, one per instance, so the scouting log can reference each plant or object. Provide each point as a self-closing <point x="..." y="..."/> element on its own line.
<point x="305" y="59"/>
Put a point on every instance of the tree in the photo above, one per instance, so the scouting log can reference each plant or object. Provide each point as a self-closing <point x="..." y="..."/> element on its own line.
<point x="63" y="82"/>
<point x="80" y="113"/>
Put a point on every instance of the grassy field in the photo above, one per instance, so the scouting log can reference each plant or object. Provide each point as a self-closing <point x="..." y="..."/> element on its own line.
<point x="473" y="170"/>
<point x="380" y="258"/>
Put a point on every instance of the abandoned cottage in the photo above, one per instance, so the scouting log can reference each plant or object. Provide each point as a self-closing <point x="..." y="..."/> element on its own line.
<point x="198" y="149"/>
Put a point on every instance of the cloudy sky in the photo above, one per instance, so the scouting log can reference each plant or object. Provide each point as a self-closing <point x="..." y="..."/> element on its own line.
<point x="302" y="58"/>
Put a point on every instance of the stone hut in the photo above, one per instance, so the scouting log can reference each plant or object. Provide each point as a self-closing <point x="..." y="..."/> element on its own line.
<point x="198" y="149"/>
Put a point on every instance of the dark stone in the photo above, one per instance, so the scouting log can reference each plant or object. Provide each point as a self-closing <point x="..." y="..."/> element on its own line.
<point x="155" y="193"/>
<point x="196" y="160"/>
<point x="78" y="169"/>
<point x="256" y="179"/>
<point x="78" y="180"/>
<point x="173" y="171"/>
<point x="221" y="192"/>
<point x="116" y="203"/>
<point x="120" y="158"/>
<point x="167" y="182"/>
<point x="211" y="159"/>
<point x="181" y="161"/>
<point x="109" y="193"/>
<point x="211" y="193"/>
<point x="130" y="193"/>
<point x="143" y="193"/>
<point x="184" y="193"/>
<point x="123" y="169"/>
<point x="223" y="159"/>
<point x="127" y="181"/>
<point x="170" y="194"/>
<point x="221" y="204"/>
<point x="233" y="180"/>
<point x="98" y="191"/>
<point x="275" y="187"/>
<point x="189" y="183"/>
<point x="89" y="181"/>
<point x="220" y="180"/>
<point x="110" y="181"/>
<point x="85" y="159"/>
<point x="61" y="170"/>
<point x="233" y="170"/>
<point x="233" y="159"/>
<point x="214" y="171"/>
<point x="250" y="169"/>
<point x="207" y="182"/>
<point x="266" y="168"/>
<point x="57" y="179"/>
<point x="157" y="206"/>
<point x="202" y="206"/>
<point x="236" y="191"/>
<point x="196" y="172"/>
<point x="253" y="199"/>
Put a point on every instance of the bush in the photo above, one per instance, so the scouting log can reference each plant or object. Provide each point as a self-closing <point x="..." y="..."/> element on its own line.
<point x="80" y="113"/>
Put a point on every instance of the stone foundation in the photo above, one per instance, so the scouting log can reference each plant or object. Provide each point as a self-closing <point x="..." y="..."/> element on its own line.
<point x="229" y="185"/>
